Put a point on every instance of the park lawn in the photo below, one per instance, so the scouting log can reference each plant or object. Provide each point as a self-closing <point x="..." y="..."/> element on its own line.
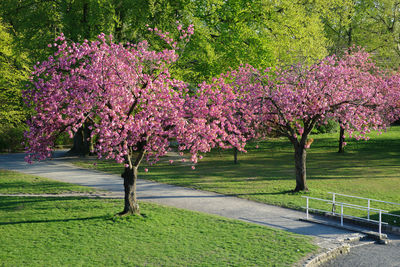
<point x="15" y="182"/>
<point x="78" y="231"/>
<point x="266" y="174"/>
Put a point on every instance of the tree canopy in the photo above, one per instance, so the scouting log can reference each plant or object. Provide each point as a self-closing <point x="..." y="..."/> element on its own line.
<point x="13" y="73"/>
<point x="350" y="89"/>
<point x="132" y="104"/>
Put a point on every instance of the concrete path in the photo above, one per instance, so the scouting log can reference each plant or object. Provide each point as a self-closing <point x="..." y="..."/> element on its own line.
<point x="231" y="207"/>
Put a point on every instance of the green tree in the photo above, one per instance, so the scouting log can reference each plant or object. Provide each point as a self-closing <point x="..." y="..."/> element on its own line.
<point x="373" y="25"/>
<point x="13" y="74"/>
<point x="229" y="33"/>
<point x="380" y="31"/>
<point x="34" y="24"/>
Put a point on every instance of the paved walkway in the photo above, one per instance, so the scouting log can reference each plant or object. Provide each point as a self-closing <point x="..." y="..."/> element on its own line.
<point x="370" y="255"/>
<point x="231" y="207"/>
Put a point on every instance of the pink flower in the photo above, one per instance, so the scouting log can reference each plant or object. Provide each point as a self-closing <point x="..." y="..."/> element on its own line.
<point x="171" y="161"/>
<point x="146" y="170"/>
<point x="193" y="167"/>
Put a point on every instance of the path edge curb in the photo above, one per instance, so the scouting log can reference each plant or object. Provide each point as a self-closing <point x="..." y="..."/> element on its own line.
<point x="325" y="256"/>
<point x="343" y="248"/>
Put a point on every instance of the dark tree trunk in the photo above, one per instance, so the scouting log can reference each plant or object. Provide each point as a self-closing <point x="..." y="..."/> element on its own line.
<point x="235" y="154"/>
<point x="131" y="205"/>
<point x="341" y="140"/>
<point x="119" y="22"/>
<point x="300" y="155"/>
<point x="82" y="142"/>
<point x="85" y="20"/>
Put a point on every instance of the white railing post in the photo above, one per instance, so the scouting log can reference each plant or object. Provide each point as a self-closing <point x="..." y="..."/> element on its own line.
<point x="380" y="223"/>
<point x="333" y="203"/>
<point x="341" y="214"/>
<point x="307" y="209"/>
<point x="369" y="205"/>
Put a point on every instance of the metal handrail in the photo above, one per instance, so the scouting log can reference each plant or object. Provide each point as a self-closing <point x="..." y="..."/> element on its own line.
<point x="369" y="203"/>
<point x="371" y="199"/>
<point x="349" y="216"/>
<point x="348" y="205"/>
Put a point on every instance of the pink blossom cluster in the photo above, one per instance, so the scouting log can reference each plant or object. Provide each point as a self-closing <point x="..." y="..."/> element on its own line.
<point x="222" y="113"/>
<point x="351" y="90"/>
<point x="125" y="94"/>
<point x="128" y="97"/>
<point x="185" y="34"/>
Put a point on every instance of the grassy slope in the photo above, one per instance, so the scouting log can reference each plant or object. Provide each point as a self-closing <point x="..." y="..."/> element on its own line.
<point x="14" y="183"/>
<point x="368" y="168"/>
<point x="75" y="231"/>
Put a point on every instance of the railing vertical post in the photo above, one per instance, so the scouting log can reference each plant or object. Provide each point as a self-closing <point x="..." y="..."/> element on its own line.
<point x="307" y="209"/>
<point x="380" y="223"/>
<point x="333" y="203"/>
<point x="369" y="205"/>
<point x="341" y="214"/>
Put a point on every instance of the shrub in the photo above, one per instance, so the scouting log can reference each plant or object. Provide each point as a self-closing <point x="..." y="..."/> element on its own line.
<point x="11" y="137"/>
<point x="331" y="127"/>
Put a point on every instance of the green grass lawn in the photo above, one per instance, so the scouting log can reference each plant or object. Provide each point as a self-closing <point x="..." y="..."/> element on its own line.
<point x="368" y="168"/>
<point x="15" y="182"/>
<point x="77" y="231"/>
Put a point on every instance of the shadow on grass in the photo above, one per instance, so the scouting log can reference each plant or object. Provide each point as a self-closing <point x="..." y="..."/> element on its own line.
<point x="219" y="195"/>
<point x="388" y="218"/>
<point x="35" y="186"/>
<point x="16" y="203"/>
<point x="105" y="217"/>
<point x="52" y="206"/>
<point x="319" y="166"/>
<point x="290" y="192"/>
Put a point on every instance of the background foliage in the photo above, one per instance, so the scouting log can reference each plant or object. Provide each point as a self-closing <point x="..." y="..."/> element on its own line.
<point x="227" y="34"/>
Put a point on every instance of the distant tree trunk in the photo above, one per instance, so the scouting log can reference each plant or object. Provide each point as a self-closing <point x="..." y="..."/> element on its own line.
<point x="82" y="141"/>
<point x="300" y="155"/>
<point x="341" y="132"/>
<point x="235" y="154"/>
<point x="131" y="204"/>
<point x="119" y="21"/>
<point x="341" y="140"/>
<point x="85" y="19"/>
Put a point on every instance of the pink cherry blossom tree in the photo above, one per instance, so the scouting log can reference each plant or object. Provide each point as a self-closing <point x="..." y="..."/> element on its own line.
<point x="244" y="111"/>
<point x="222" y="113"/>
<point x="125" y="93"/>
<point x="351" y="90"/>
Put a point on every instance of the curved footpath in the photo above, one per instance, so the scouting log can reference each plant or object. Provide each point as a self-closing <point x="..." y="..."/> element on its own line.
<point x="328" y="238"/>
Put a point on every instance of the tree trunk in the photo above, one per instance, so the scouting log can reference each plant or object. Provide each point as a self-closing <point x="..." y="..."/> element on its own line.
<point x="119" y="21"/>
<point x="300" y="155"/>
<point x="131" y="205"/>
<point x="341" y="140"/>
<point x="235" y="154"/>
<point x="85" y="19"/>
<point x="82" y="142"/>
